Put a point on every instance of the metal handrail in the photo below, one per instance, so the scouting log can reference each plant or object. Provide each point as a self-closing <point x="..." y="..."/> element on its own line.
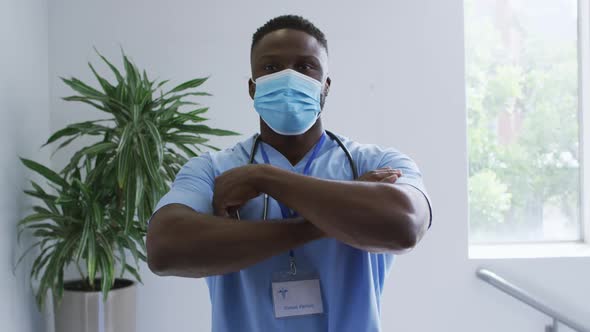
<point x="522" y="295"/>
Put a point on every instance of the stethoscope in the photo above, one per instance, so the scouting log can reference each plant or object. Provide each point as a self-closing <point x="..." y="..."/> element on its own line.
<point x="257" y="141"/>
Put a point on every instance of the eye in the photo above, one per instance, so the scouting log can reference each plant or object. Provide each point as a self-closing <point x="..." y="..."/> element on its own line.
<point x="270" y="67"/>
<point x="304" y="67"/>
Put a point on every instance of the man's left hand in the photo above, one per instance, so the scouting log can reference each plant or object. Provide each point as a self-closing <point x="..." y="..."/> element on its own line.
<point x="234" y="188"/>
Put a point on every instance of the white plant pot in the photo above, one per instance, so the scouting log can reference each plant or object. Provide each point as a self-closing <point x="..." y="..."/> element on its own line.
<point x="82" y="311"/>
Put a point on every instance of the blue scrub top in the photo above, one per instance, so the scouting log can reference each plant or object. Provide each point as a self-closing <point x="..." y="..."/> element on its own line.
<point x="352" y="280"/>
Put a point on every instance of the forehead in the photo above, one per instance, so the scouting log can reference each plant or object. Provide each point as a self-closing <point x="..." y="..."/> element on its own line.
<point x="288" y="43"/>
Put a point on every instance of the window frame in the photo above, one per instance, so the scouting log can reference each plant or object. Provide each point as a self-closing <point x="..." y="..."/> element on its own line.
<point x="584" y="115"/>
<point x="573" y="248"/>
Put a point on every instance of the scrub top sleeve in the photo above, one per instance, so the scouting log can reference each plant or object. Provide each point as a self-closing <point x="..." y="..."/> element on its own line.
<point x="411" y="174"/>
<point x="193" y="186"/>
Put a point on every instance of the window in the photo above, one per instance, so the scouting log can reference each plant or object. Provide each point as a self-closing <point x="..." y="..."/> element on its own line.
<point x="523" y="115"/>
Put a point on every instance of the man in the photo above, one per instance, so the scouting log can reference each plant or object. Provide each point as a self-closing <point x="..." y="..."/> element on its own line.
<point x="287" y="238"/>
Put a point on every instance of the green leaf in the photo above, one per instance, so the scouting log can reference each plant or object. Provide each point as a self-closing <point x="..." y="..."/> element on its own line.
<point x="122" y="257"/>
<point x="171" y="174"/>
<point x="91" y="258"/>
<point x="39" y="193"/>
<point x="130" y="204"/>
<point x="202" y="129"/>
<point x="126" y="136"/>
<point x="99" y="148"/>
<point x="45" y="172"/>
<point x="132" y="247"/>
<point x="152" y="169"/>
<point x="188" y="85"/>
<point x="67" y="131"/>
<point x="105" y="279"/>
<point x="47" y="199"/>
<point x="140" y="181"/>
<point x="131" y="75"/>
<point x="25" y="253"/>
<point x="83" y="241"/>
<point x="161" y="84"/>
<point x="189" y="152"/>
<point x="135" y="113"/>
<point x="134" y="272"/>
<point x="59" y="287"/>
<point x="124" y="156"/>
<point x="49" y="276"/>
<point x="97" y="214"/>
<point x="211" y="147"/>
<point x="89" y="151"/>
<point x="34" y="218"/>
<point x="106" y="86"/>
<point x="84" y="128"/>
<point x="178" y="98"/>
<point x="157" y="139"/>
<point x="100" y="169"/>
<point x="64" y="144"/>
<point x="185" y="139"/>
<point x="88" y="101"/>
<point x="111" y="105"/>
<point x="41" y="210"/>
<point x="113" y="68"/>
<point x="82" y="88"/>
<point x="146" y="81"/>
<point x="198" y="111"/>
<point x="40" y="190"/>
<point x="107" y="264"/>
<point x="45" y="233"/>
<point x="40" y="261"/>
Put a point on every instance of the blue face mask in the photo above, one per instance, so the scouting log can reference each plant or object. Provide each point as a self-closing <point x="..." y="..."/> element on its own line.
<point x="288" y="101"/>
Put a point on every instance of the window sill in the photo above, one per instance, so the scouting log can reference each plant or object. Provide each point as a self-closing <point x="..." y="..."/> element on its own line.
<point x="536" y="250"/>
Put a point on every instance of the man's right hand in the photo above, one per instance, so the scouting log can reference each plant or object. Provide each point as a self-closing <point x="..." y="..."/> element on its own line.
<point x="384" y="174"/>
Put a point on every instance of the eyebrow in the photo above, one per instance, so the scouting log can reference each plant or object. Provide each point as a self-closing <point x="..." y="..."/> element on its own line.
<point x="275" y="56"/>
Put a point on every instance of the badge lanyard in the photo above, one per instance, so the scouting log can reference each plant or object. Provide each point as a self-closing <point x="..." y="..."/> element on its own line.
<point x="285" y="211"/>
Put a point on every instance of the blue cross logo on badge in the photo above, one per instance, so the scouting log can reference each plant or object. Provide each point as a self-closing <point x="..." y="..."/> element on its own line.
<point x="283" y="292"/>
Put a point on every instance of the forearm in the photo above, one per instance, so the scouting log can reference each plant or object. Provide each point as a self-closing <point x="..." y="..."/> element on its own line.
<point x="189" y="244"/>
<point x="367" y="215"/>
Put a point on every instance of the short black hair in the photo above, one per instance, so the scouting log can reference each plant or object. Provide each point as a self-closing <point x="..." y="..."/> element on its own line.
<point x="294" y="22"/>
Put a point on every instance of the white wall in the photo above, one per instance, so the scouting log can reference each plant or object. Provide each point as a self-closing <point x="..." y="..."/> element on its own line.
<point x="397" y="71"/>
<point x="24" y="124"/>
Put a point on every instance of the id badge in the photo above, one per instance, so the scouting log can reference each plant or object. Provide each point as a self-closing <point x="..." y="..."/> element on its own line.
<point x="296" y="295"/>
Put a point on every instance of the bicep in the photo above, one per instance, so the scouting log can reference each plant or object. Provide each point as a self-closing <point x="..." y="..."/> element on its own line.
<point x="410" y="182"/>
<point x="193" y="187"/>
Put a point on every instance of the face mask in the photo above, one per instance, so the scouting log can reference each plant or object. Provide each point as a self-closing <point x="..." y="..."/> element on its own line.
<point x="288" y="101"/>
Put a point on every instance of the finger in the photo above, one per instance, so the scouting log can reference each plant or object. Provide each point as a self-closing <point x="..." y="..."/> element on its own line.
<point x="390" y="171"/>
<point x="379" y="174"/>
<point x="233" y="212"/>
<point x="383" y="175"/>
<point x="390" y="179"/>
<point x="220" y="211"/>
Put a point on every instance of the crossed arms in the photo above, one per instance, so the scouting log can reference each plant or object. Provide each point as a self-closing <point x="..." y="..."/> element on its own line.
<point x="373" y="214"/>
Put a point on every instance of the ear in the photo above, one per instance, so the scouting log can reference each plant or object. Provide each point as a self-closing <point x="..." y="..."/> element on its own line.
<point x="327" y="86"/>
<point x="251" y="88"/>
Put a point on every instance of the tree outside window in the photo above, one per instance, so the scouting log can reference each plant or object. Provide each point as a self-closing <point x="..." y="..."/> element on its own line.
<point x="522" y="107"/>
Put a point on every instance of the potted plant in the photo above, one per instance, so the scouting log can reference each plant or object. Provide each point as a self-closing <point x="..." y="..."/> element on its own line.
<point x="95" y="213"/>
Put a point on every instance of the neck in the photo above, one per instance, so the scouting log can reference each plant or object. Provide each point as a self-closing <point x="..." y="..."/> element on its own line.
<point x="293" y="148"/>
